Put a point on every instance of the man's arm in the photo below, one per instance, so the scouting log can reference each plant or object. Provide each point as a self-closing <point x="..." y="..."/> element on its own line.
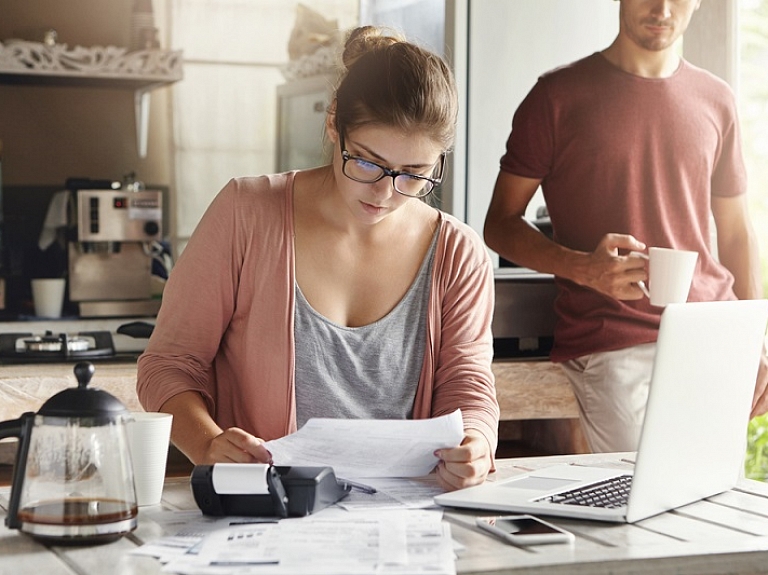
<point x="738" y="252"/>
<point x="737" y="245"/>
<point x="508" y="233"/>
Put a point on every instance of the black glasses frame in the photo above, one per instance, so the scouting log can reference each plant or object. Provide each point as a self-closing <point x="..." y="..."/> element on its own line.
<point x="387" y="172"/>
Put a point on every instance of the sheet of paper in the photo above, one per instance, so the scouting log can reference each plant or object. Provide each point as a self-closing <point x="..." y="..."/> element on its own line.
<point x="370" y="448"/>
<point x="185" y="531"/>
<point x="394" y="493"/>
<point x="414" y="541"/>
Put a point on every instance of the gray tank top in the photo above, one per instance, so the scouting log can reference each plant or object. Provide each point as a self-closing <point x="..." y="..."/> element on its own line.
<point x="367" y="372"/>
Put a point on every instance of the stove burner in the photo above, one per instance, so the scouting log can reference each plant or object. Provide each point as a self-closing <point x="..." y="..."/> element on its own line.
<point x="26" y="347"/>
<point x="50" y="342"/>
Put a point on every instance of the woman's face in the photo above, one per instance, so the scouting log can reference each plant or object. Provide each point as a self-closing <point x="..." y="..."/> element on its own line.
<point x="390" y="148"/>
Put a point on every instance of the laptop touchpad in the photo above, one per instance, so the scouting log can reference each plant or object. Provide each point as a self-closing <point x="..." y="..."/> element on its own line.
<point x="539" y="483"/>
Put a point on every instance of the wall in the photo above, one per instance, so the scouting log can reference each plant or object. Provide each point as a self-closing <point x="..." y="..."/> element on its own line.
<point x="529" y="37"/>
<point x="226" y="107"/>
<point x="51" y="133"/>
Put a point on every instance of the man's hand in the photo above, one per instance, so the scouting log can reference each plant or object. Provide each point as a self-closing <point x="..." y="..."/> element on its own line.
<point x="234" y="445"/>
<point x="612" y="274"/>
<point x="760" y="400"/>
<point x="465" y="465"/>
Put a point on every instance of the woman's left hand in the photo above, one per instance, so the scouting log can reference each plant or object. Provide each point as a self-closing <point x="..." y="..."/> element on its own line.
<point x="465" y="465"/>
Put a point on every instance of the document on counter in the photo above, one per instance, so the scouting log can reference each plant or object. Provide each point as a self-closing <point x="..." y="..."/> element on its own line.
<point x="394" y="493"/>
<point x="370" y="447"/>
<point x="414" y="541"/>
<point x="188" y="529"/>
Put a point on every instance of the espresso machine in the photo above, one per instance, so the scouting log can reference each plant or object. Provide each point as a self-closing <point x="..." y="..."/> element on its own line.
<point x="110" y="251"/>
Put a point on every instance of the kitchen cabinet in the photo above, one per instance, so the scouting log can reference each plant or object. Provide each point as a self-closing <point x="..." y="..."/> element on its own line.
<point x="141" y="71"/>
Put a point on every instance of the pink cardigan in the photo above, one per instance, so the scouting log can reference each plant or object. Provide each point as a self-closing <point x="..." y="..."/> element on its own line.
<point x="225" y="328"/>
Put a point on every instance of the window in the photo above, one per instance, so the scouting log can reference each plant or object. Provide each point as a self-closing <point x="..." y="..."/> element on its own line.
<point x="224" y="111"/>
<point x="753" y="110"/>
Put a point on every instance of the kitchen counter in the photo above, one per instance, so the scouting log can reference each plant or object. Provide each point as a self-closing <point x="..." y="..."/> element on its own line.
<point x="538" y="410"/>
<point x="26" y="387"/>
<point x="525" y="389"/>
<point x="532" y="391"/>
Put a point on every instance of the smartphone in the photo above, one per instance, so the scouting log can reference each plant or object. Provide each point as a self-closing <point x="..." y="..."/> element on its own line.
<point x="524" y="530"/>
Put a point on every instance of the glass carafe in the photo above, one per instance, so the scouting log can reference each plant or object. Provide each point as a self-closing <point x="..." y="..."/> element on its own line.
<point x="73" y="480"/>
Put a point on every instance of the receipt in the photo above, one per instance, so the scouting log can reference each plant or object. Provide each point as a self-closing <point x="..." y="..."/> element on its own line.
<point x="240" y="478"/>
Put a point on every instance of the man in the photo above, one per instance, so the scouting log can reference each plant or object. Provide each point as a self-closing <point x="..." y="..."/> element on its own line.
<point x="633" y="147"/>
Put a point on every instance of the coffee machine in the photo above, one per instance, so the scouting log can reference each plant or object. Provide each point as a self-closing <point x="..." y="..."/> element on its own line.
<point x="110" y="251"/>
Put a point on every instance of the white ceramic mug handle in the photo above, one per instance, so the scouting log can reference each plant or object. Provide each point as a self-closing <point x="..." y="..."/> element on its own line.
<point x="641" y="283"/>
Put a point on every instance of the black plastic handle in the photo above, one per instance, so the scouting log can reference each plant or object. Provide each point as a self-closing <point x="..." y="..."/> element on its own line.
<point x="136" y="329"/>
<point x="11" y="428"/>
<point x="21" y="428"/>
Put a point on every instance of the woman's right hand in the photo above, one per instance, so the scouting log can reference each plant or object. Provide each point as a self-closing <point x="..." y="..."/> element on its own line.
<point x="234" y="445"/>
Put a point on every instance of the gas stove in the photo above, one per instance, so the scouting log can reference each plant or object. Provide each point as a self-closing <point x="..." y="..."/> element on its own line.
<point x="61" y="347"/>
<point x="68" y="341"/>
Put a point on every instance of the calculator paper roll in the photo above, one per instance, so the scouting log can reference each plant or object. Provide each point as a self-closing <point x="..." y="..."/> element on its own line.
<point x="240" y="478"/>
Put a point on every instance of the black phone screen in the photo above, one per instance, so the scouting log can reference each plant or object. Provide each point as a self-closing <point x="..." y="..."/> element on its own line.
<point x="523" y="526"/>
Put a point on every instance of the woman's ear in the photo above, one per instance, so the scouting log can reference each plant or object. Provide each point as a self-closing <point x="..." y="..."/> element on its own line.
<point x="330" y="123"/>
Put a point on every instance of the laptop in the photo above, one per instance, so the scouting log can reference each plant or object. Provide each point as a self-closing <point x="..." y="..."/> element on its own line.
<point x="693" y="439"/>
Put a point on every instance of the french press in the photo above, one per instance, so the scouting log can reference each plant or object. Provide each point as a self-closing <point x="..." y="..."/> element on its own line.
<point x="73" y="479"/>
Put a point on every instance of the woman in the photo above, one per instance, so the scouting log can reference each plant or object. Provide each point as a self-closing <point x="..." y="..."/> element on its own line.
<point x="335" y="291"/>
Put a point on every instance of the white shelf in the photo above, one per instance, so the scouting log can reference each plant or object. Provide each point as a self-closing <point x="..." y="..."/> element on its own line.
<point x="36" y="63"/>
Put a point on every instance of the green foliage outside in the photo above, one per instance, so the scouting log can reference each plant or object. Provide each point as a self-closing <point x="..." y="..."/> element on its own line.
<point x="756" y="463"/>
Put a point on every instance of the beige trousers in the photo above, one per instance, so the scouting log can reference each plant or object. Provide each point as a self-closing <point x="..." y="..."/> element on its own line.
<point x="611" y="389"/>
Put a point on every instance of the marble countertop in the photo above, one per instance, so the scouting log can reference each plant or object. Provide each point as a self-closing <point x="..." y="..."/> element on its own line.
<point x="26" y="387"/>
<point x="525" y="389"/>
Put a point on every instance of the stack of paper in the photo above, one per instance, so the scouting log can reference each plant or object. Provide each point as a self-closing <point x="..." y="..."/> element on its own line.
<point x="335" y="543"/>
<point x="385" y="529"/>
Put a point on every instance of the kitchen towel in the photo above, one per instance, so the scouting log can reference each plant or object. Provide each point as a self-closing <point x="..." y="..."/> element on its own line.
<point x="56" y="217"/>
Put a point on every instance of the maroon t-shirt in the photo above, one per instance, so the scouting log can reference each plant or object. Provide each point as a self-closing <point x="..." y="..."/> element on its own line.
<point x="618" y="153"/>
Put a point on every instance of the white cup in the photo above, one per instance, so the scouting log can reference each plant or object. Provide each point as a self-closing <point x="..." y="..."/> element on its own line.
<point x="670" y="273"/>
<point x="149" y="435"/>
<point x="48" y="296"/>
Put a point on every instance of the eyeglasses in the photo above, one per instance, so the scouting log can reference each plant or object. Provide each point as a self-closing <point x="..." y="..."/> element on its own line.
<point x="367" y="172"/>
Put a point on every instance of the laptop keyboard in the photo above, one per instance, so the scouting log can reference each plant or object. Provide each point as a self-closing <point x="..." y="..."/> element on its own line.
<point x="610" y="494"/>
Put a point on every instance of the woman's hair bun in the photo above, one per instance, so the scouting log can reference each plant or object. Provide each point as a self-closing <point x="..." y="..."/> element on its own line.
<point x="366" y="39"/>
<point x="389" y="81"/>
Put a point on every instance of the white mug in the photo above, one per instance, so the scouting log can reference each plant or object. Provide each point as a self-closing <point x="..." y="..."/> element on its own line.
<point x="670" y="273"/>
<point x="149" y="435"/>
<point x="48" y="296"/>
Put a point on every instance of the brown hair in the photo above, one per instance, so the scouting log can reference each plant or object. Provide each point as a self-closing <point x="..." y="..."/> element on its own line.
<point x="392" y="82"/>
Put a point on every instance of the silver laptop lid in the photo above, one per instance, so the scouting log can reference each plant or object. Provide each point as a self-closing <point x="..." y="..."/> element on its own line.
<point x="694" y="434"/>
